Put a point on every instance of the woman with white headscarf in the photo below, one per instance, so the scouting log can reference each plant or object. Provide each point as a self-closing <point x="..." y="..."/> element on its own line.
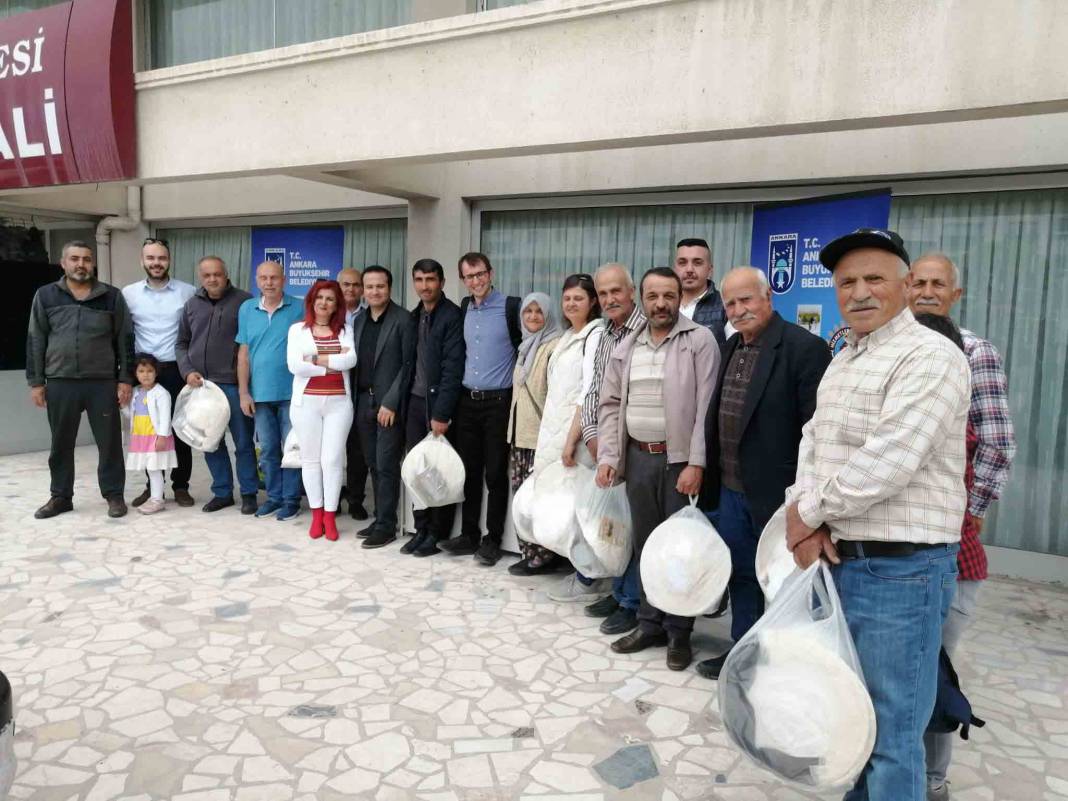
<point x="541" y="332"/>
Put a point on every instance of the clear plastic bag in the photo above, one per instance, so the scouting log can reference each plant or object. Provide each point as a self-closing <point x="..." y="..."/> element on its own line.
<point x="201" y="416"/>
<point x="553" y="522"/>
<point x="774" y="562"/>
<point x="685" y="564"/>
<point x="604" y="549"/>
<point x="291" y="451"/>
<point x="792" y="694"/>
<point x="433" y="473"/>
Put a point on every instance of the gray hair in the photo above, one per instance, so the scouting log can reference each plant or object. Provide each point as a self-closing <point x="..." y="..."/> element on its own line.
<point x="614" y="265"/>
<point x="752" y="272"/>
<point x="213" y="258"/>
<point x="75" y="243"/>
<point x="942" y="257"/>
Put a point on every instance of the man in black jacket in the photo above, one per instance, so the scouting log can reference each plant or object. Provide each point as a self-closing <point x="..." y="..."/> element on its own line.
<point x="766" y="393"/>
<point x="435" y="390"/>
<point x="79" y="356"/>
<point x="385" y="350"/>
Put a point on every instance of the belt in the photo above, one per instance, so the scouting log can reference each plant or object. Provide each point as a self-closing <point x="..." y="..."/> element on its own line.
<point x="488" y="394"/>
<point x="651" y="447"/>
<point x="852" y="549"/>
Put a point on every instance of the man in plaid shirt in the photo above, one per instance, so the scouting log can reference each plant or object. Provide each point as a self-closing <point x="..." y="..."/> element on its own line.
<point x="934" y="288"/>
<point x="880" y="494"/>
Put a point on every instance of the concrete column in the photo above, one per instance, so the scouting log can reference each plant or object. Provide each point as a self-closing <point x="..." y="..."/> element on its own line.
<point x="126" y="255"/>
<point x="439" y="229"/>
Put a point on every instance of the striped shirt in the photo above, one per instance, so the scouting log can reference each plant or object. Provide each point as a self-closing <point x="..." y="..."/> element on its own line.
<point x="645" y="391"/>
<point x="989" y="416"/>
<point x="331" y="383"/>
<point x="611" y="337"/>
<point x="883" y="457"/>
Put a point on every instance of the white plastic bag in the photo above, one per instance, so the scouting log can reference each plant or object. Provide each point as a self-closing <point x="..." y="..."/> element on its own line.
<point x="553" y="522"/>
<point x="433" y="473"/>
<point x="523" y="510"/>
<point x="607" y="540"/>
<point x="774" y="562"/>
<point x="792" y="694"/>
<point x="685" y="564"/>
<point x="201" y="416"/>
<point x="7" y="737"/>
<point x="291" y="451"/>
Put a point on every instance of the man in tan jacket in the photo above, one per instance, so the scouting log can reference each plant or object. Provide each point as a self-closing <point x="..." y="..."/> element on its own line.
<point x="657" y="388"/>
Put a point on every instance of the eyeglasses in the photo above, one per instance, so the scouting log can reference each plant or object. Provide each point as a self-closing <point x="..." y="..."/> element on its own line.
<point x="475" y="276"/>
<point x="154" y="241"/>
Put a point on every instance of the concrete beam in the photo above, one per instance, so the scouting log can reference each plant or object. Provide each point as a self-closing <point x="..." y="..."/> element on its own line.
<point x="422" y="184"/>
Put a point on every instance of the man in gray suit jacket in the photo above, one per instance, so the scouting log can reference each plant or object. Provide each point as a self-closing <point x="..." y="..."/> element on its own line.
<point x="385" y="354"/>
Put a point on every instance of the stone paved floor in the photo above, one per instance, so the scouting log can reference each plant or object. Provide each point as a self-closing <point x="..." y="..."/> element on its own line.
<point x="207" y="658"/>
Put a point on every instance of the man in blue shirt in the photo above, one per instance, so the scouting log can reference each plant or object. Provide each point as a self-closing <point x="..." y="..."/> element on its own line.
<point x="491" y="335"/>
<point x="265" y="383"/>
<point x="155" y="306"/>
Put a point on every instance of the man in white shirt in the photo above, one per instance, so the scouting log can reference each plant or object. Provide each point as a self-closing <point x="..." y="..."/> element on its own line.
<point x="155" y="305"/>
<point x="880" y="494"/>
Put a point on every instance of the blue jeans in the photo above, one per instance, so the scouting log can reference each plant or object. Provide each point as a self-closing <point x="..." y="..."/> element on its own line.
<point x="734" y="522"/>
<point x="222" y="475"/>
<point x="272" y="428"/>
<point x="895" y="607"/>
<point x="625" y="588"/>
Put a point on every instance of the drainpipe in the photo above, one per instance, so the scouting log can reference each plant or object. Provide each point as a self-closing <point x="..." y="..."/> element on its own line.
<point x="104" y="228"/>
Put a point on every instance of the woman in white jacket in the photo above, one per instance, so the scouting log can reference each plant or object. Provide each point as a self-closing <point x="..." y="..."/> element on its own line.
<point x="320" y="354"/>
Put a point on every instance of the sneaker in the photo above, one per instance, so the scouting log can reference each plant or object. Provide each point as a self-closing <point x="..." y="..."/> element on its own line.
<point x="151" y="506"/>
<point x="55" y="506"/>
<point x="619" y="622"/>
<point x="603" y="607"/>
<point x="489" y="552"/>
<point x="116" y="506"/>
<point x="140" y="499"/>
<point x="183" y="498"/>
<point x="267" y="508"/>
<point x="248" y="504"/>
<point x="217" y="503"/>
<point x="571" y="590"/>
<point x="379" y="539"/>
<point x="939" y="793"/>
<point x="287" y="512"/>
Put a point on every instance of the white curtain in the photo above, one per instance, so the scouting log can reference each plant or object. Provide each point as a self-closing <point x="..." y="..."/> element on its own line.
<point x="381" y="242"/>
<point x="1012" y="248"/>
<point x="189" y="245"/>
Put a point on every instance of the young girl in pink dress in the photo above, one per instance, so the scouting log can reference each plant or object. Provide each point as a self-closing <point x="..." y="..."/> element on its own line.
<point x="151" y="442"/>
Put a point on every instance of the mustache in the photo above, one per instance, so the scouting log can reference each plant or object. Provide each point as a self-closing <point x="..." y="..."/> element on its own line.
<point x="863" y="305"/>
<point x="743" y="318"/>
<point x="925" y="302"/>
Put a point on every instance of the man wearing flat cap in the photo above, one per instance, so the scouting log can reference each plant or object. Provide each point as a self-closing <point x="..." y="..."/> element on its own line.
<point x="880" y="494"/>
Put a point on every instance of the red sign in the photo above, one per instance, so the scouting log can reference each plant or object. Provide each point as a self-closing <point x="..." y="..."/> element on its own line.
<point x="67" y="95"/>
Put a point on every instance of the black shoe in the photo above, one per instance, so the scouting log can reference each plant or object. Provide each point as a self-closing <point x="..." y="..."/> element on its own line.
<point x="639" y="640"/>
<point x="489" y="552"/>
<point x="413" y="542"/>
<point x="679" y="653"/>
<point x="378" y="539"/>
<point x="140" y="499"/>
<point x="620" y="621"/>
<point x="357" y="511"/>
<point x="217" y="503"/>
<point x="183" y="498"/>
<point x="603" y="608"/>
<point x="55" y="506"/>
<point x="710" y="668"/>
<point x="721" y="610"/>
<point x="427" y="547"/>
<point x="249" y="505"/>
<point x="520" y="568"/>
<point x="459" y="546"/>
<point x="116" y="506"/>
<point x="364" y="532"/>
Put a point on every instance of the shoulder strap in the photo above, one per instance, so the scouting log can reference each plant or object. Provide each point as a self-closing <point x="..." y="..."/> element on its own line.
<point x="511" y="313"/>
<point x="464" y="303"/>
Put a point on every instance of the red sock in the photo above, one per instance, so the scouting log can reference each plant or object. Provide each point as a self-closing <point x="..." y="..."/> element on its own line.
<point x="316" y="530"/>
<point x="330" y="524"/>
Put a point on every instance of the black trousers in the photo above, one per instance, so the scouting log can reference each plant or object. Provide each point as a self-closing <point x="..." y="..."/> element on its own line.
<point x="482" y="440"/>
<point x="355" y="469"/>
<point x="653" y="499"/>
<point x="67" y="399"/>
<point x="171" y="380"/>
<point x="438" y="520"/>
<point x="384" y="448"/>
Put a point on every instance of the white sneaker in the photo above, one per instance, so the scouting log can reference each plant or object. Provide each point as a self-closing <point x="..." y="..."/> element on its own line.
<point x="151" y="506"/>
<point x="571" y="590"/>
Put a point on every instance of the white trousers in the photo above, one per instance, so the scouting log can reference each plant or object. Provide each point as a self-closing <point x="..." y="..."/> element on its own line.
<point x="322" y="423"/>
<point x="155" y="484"/>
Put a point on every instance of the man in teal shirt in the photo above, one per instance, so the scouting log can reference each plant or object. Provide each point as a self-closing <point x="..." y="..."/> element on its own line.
<point x="265" y="383"/>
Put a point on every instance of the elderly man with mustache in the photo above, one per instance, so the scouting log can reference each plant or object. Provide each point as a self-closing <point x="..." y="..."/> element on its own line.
<point x="766" y="393"/>
<point x="880" y="494"/>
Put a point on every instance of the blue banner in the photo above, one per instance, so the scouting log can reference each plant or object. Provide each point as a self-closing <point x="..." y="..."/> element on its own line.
<point x="787" y="238"/>
<point x="306" y="254"/>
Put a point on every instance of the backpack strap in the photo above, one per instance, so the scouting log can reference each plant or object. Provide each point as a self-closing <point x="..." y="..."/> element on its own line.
<point x="511" y="314"/>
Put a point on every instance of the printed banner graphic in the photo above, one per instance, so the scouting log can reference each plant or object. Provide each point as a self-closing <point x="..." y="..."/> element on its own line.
<point x="306" y="254"/>
<point x="787" y="238"/>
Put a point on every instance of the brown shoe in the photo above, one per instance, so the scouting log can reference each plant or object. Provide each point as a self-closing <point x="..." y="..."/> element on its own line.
<point x="182" y="498"/>
<point x="140" y="499"/>
<point x="55" y="506"/>
<point x="679" y="653"/>
<point x="116" y="506"/>
<point x="639" y="640"/>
